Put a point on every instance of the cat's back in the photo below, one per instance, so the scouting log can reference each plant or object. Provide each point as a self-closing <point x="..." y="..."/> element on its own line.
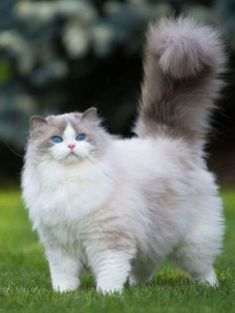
<point x="160" y="155"/>
<point x="162" y="164"/>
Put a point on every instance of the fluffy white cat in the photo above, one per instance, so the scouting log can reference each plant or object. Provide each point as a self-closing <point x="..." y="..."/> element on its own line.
<point x="122" y="206"/>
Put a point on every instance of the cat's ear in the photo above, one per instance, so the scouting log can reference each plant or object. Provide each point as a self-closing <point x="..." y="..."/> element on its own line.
<point x="37" y="122"/>
<point x="90" y="114"/>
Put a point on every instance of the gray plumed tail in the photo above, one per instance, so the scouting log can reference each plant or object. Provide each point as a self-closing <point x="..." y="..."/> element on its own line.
<point x="183" y="63"/>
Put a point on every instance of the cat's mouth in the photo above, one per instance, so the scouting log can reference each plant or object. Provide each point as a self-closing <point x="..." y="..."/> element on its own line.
<point x="71" y="158"/>
<point x="72" y="154"/>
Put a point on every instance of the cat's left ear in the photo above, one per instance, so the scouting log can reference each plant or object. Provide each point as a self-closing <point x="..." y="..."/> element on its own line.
<point x="90" y="114"/>
<point x="37" y="122"/>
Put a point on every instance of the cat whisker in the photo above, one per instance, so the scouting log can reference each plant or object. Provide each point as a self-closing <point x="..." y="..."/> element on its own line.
<point x="13" y="151"/>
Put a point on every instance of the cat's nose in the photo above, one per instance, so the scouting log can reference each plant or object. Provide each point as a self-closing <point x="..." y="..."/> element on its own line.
<point x="71" y="146"/>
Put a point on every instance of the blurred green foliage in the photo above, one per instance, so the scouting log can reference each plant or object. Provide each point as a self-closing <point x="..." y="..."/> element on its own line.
<point x="66" y="55"/>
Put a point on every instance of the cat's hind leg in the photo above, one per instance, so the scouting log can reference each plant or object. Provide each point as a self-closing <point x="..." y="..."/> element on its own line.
<point x="198" y="251"/>
<point x="198" y="267"/>
<point x="142" y="272"/>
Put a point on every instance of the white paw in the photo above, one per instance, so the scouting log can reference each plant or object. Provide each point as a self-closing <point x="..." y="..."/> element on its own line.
<point x="209" y="279"/>
<point x="65" y="286"/>
<point x="109" y="289"/>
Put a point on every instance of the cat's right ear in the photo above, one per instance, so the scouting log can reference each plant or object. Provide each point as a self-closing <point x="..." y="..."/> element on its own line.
<point x="37" y="122"/>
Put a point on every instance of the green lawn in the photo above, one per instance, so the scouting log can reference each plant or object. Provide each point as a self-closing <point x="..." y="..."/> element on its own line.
<point x="25" y="284"/>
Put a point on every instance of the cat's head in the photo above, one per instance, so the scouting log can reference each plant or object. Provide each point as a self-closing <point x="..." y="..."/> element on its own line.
<point x="68" y="138"/>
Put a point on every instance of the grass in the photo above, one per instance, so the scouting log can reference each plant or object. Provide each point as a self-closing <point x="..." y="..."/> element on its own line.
<point x="25" y="284"/>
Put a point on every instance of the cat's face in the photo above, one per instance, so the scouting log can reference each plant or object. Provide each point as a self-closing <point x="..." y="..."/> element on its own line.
<point x="68" y="138"/>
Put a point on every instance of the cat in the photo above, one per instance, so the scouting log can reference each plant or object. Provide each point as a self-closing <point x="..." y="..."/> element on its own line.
<point x="122" y="206"/>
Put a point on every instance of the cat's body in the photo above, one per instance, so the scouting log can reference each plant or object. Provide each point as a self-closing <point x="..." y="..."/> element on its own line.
<point x="121" y="206"/>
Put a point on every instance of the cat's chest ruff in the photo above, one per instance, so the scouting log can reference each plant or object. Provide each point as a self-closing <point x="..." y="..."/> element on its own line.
<point x="68" y="196"/>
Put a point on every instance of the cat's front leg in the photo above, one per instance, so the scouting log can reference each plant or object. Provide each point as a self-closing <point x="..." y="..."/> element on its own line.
<point x="111" y="269"/>
<point x="64" y="270"/>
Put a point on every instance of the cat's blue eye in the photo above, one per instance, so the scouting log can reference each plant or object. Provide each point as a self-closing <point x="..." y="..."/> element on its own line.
<point x="81" y="137"/>
<point x="56" y="139"/>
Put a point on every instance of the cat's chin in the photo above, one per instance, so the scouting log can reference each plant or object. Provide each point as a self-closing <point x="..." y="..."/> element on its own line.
<point x="71" y="159"/>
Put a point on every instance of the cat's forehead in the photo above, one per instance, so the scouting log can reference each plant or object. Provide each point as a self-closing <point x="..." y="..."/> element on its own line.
<point x="64" y="121"/>
<point x="69" y="132"/>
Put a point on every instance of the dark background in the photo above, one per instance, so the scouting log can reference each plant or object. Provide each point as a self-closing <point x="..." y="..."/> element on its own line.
<point x="61" y="56"/>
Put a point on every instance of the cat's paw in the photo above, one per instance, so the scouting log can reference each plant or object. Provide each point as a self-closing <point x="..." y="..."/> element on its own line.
<point x="65" y="286"/>
<point x="109" y="290"/>
<point x="208" y="279"/>
<point x="109" y="287"/>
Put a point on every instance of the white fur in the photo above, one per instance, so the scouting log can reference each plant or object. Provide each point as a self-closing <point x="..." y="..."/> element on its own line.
<point x="122" y="214"/>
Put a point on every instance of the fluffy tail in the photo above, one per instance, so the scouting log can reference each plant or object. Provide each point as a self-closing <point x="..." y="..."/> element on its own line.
<point x="183" y="63"/>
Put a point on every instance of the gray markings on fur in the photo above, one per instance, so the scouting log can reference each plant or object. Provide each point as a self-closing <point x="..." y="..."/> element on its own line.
<point x="182" y="68"/>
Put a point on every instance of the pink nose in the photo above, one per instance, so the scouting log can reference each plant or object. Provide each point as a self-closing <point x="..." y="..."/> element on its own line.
<point x="71" y="146"/>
